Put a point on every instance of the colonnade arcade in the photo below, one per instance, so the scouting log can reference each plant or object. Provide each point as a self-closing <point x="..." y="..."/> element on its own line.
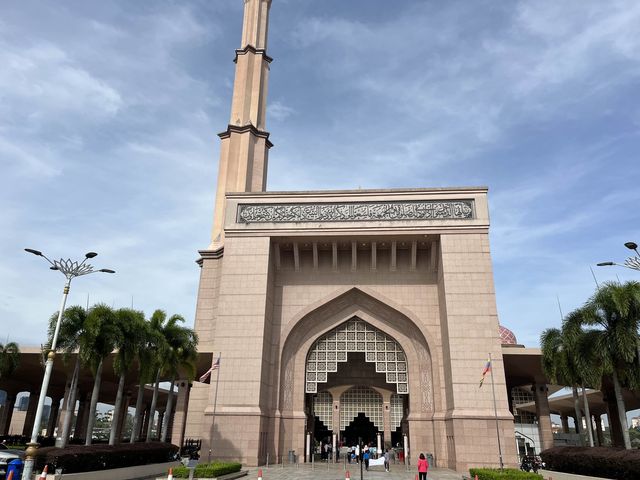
<point x="357" y="386"/>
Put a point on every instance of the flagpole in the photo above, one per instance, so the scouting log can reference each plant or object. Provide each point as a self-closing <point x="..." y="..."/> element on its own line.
<point x="215" y="403"/>
<point x="495" y="410"/>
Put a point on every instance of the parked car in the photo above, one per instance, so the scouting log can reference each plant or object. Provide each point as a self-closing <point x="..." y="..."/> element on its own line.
<point x="6" y="455"/>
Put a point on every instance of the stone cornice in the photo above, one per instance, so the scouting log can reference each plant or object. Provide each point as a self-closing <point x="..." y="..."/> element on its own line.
<point x="246" y="128"/>
<point x="209" y="255"/>
<point x="255" y="51"/>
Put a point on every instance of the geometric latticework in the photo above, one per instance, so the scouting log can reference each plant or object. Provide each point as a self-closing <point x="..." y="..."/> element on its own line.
<point x="361" y="400"/>
<point x="396" y="411"/>
<point x="507" y="337"/>
<point x="356" y="335"/>
<point x="323" y="408"/>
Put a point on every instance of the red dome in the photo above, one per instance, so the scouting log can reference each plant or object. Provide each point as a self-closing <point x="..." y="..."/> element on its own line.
<point x="507" y="336"/>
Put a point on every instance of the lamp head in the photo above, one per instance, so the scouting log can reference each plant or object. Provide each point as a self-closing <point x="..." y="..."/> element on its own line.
<point x="35" y="252"/>
<point x="631" y="245"/>
<point x="54" y="268"/>
<point x="90" y="254"/>
<point x="606" y="264"/>
<point x="106" y="270"/>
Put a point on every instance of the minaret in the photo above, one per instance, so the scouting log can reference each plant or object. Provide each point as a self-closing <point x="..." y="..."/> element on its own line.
<point x="245" y="144"/>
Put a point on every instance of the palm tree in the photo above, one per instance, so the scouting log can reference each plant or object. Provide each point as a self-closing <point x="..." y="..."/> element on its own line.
<point x="613" y="313"/>
<point x="148" y="359"/>
<point x="584" y="358"/>
<point x="98" y="342"/>
<point x="9" y="359"/>
<point x="72" y="327"/>
<point x="158" y="324"/>
<point x="181" y="357"/>
<point x="559" y="366"/>
<point x="130" y="326"/>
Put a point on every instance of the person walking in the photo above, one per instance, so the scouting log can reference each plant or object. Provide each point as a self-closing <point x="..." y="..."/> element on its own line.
<point x="386" y="460"/>
<point x="423" y="466"/>
<point x="365" y="457"/>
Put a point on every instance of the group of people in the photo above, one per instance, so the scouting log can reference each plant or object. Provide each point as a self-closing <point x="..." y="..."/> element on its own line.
<point x="356" y="455"/>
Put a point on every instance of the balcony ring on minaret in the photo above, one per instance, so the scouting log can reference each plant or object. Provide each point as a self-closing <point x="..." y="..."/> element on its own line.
<point x="246" y="128"/>
<point x="252" y="49"/>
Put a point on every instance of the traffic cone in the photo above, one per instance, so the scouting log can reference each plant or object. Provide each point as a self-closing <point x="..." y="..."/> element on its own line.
<point x="43" y="475"/>
<point x="476" y="477"/>
<point x="10" y="476"/>
<point x="260" y="474"/>
<point x="347" y="476"/>
<point x="170" y="477"/>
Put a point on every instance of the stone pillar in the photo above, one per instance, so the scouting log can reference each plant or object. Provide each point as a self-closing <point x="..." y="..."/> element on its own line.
<point x="124" y="412"/>
<point x="614" y="424"/>
<point x="31" y="414"/>
<point x="180" y="412"/>
<point x="159" y="424"/>
<point x="335" y="418"/>
<point x="7" y="413"/>
<point x="65" y="406"/>
<point x="544" y="416"/>
<point x="599" y="434"/>
<point x="53" y="415"/>
<point x="386" y="418"/>
<point x="565" y="423"/>
<point x="147" y="415"/>
<point x="83" y="416"/>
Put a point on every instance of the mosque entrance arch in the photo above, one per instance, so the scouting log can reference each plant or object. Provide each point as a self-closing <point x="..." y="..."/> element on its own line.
<point x="357" y="385"/>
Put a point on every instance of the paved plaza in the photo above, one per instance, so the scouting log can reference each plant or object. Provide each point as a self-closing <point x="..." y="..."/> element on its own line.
<point x="337" y="472"/>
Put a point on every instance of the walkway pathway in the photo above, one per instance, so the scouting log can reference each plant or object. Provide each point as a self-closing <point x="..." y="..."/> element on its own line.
<point x="320" y="472"/>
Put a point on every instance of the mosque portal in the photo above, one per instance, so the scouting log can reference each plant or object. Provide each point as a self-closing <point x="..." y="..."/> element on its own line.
<point x="356" y="386"/>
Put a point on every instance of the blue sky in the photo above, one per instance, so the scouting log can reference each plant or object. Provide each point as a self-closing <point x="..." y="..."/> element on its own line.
<point x="109" y="113"/>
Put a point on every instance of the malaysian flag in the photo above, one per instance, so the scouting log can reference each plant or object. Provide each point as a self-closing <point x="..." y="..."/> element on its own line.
<point x="487" y="369"/>
<point x="215" y="366"/>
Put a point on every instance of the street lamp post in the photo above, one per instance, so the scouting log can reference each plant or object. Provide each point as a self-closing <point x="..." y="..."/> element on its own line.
<point x="70" y="269"/>
<point x="632" y="262"/>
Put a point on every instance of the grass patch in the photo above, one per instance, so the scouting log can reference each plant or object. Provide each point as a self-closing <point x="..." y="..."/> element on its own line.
<point x="208" y="470"/>
<point x="506" y="474"/>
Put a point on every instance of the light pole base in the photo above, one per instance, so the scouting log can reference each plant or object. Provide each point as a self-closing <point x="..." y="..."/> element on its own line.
<point x="29" y="460"/>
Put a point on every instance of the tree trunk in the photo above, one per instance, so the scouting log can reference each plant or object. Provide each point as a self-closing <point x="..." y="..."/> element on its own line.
<point x="94" y="403"/>
<point x="622" y="413"/>
<point x="587" y="414"/>
<point x="116" y="411"/>
<point x="152" y="409"/>
<point x="137" y="416"/>
<point x="71" y="405"/>
<point x="576" y="407"/>
<point x="167" y="412"/>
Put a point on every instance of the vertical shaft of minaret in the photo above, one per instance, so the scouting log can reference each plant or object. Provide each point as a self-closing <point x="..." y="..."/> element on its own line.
<point x="245" y="144"/>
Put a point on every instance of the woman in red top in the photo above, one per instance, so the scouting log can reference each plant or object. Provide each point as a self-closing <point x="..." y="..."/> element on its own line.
<point x="423" y="466"/>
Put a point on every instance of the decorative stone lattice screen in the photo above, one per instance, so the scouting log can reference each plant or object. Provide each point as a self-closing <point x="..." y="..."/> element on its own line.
<point x="396" y="411"/>
<point x="322" y="408"/>
<point x="356" y="336"/>
<point x="361" y="400"/>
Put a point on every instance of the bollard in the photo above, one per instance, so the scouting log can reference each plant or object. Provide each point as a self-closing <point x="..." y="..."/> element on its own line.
<point x="347" y="476"/>
<point x="416" y="476"/>
<point x="170" y="477"/>
<point x="260" y="474"/>
<point x="43" y="475"/>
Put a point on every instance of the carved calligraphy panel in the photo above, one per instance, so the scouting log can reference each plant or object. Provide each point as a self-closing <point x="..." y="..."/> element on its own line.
<point x="356" y="212"/>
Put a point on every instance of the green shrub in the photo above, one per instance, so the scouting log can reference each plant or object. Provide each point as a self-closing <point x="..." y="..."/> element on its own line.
<point x="208" y="470"/>
<point x="81" y="458"/>
<point x="506" y="474"/>
<point x="605" y="462"/>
